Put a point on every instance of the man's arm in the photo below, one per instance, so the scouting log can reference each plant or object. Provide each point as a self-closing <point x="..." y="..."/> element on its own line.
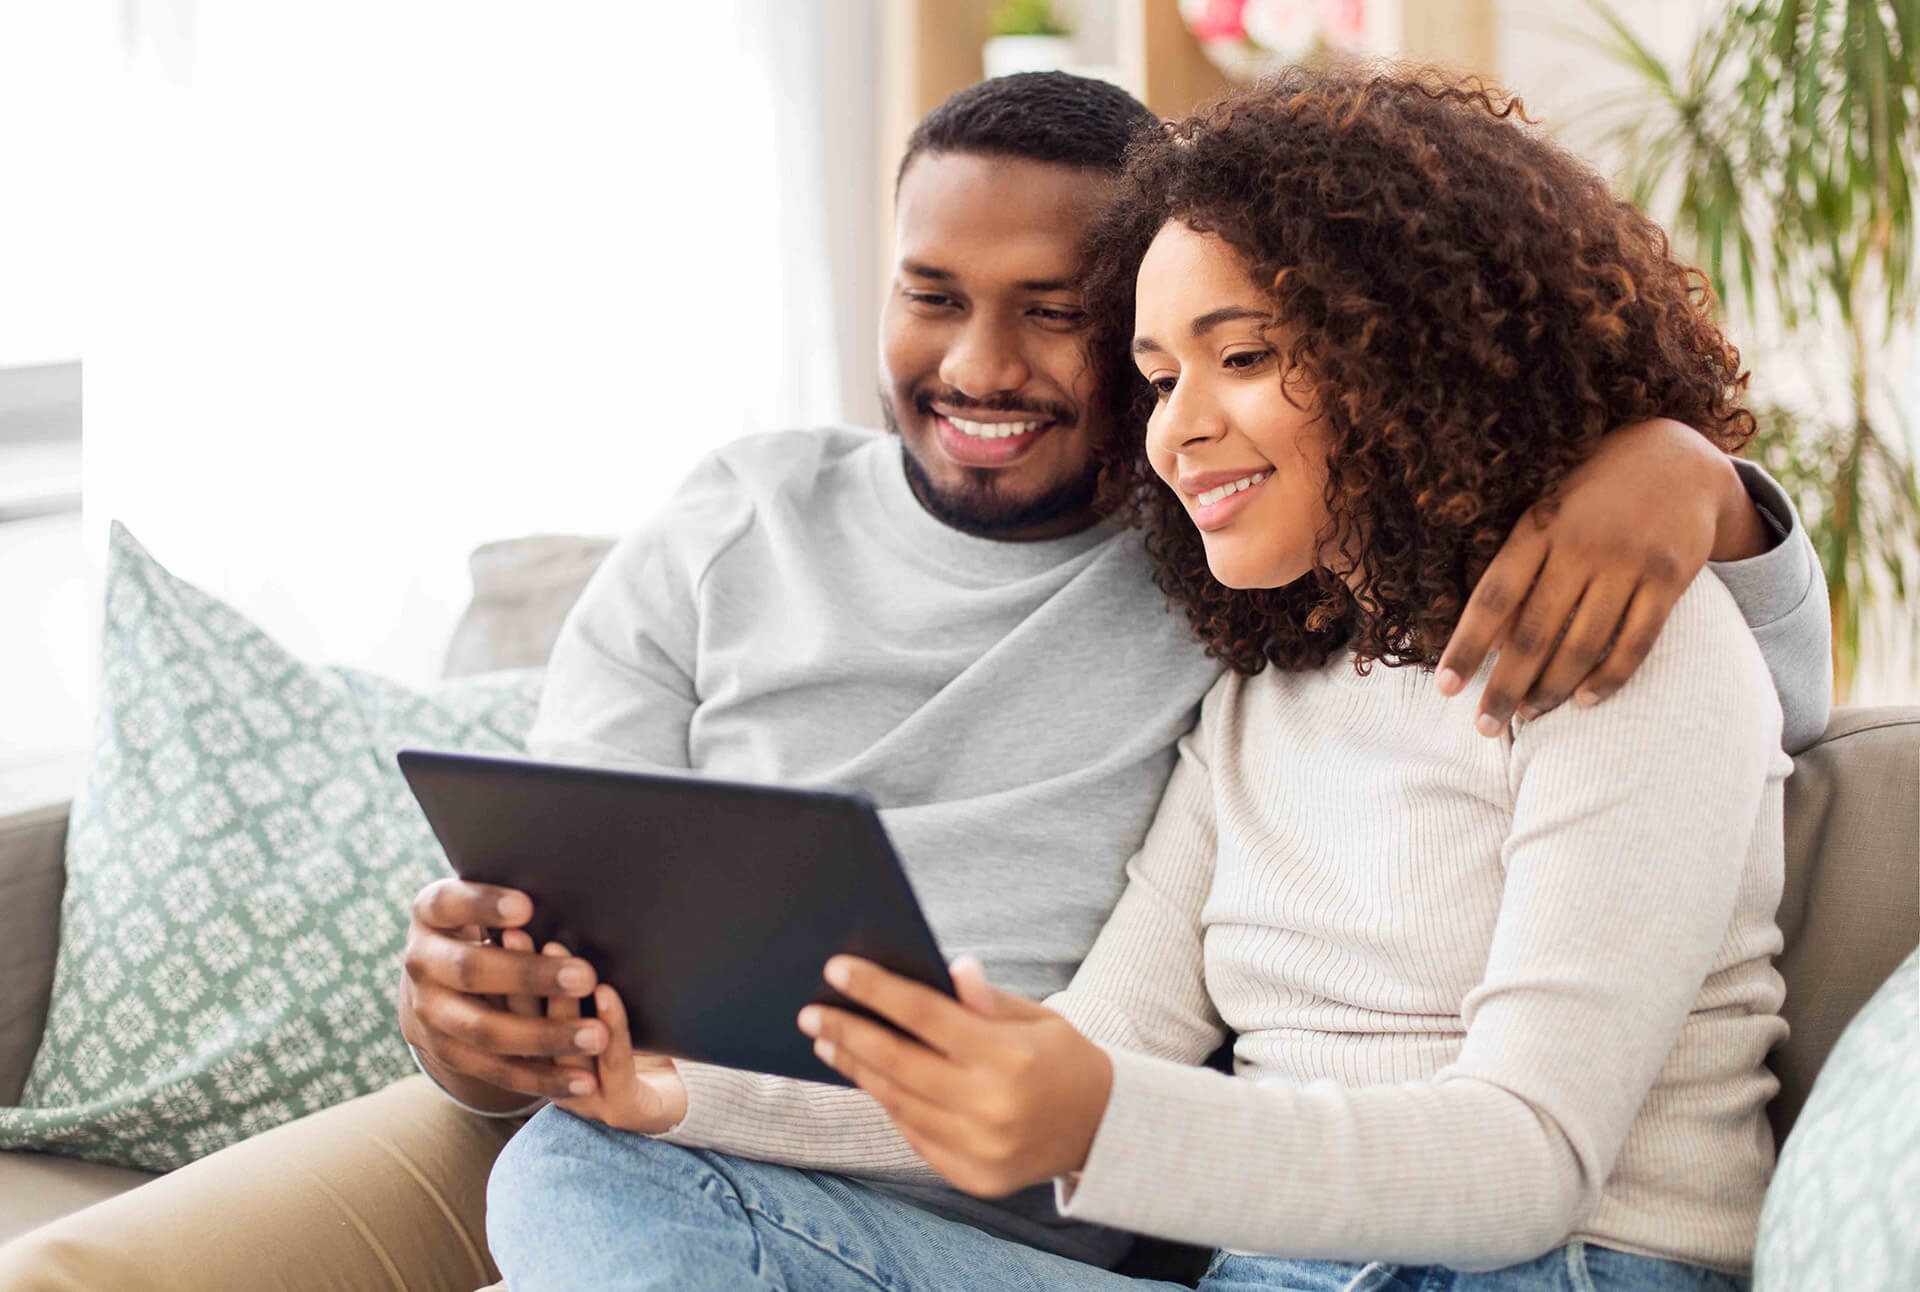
<point x="1782" y="592"/>
<point x="1581" y="590"/>
<point x="619" y="692"/>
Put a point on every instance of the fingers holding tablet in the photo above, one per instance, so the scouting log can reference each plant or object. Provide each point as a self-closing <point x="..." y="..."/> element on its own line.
<point x="638" y="1092"/>
<point x="474" y="1012"/>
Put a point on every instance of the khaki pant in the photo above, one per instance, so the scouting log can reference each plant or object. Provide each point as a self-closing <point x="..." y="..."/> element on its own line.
<point x="386" y="1193"/>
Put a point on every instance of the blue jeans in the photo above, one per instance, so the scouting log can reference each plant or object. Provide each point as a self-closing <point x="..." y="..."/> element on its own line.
<point x="573" y="1204"/>
<point x="1577" y="1267"/>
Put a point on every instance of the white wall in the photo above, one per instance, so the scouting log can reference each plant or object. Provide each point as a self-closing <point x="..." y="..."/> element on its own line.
<point x="388" y="281"/>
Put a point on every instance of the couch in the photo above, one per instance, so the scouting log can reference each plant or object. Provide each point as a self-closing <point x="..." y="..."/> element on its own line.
<point x="1850" y="911"/>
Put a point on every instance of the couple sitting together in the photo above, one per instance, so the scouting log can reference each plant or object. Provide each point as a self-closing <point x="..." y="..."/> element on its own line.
<point x="1429" y="748"/>
<point x="1389" y="381"/>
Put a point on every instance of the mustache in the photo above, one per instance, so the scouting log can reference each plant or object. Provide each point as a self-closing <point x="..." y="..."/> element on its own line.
<point x="1061" y="414"/>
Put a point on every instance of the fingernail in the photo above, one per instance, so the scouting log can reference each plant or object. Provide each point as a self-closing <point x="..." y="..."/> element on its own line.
<point x="587" y="1039"/>
<point x="576" y="978"/>
<point x="810" y="1020"/>
<point x="1448" y="681"/>
<point x="1586" y="699"/>
<point x="513" y="909"/>
<point x="581" y="1085"/>
<point x="1528" y="713"/>
<point x="825" y="1050"/>
<point x="1487" y="725"/>
<point x="837" y="973"/>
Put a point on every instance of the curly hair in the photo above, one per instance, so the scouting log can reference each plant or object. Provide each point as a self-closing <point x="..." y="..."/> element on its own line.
<point x="1473" y="306"/>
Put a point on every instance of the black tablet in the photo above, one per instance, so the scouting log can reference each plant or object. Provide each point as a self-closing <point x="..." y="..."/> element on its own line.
<point x="710" y="906"/>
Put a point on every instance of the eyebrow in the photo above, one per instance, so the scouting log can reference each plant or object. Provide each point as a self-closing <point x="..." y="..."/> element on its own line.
<point x="920" y="269"/>
<point x="1205" y="324"/>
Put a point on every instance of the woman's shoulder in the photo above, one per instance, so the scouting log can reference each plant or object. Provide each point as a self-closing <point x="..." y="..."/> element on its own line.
<point x="1703" y="680"/>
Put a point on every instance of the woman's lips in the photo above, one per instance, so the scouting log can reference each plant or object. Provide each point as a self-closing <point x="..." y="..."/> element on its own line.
<point x="974" y="451"/>
<point x="1214" y="515"/>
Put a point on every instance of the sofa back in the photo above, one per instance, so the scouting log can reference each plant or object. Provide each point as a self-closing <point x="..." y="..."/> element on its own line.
<point x="1850" y="910"/>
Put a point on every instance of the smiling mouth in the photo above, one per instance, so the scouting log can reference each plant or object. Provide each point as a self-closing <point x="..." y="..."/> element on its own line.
<point x="1229" y="489"/>
<point x="993" y="430"/>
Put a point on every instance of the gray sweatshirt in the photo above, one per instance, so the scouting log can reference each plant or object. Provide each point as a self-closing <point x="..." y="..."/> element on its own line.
<point x="795" y="616"/>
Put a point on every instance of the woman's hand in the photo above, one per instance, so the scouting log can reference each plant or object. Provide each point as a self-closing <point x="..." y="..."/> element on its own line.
<point x="997" y="1093"/>
<point x="1582" y="587"/>
<point x="632" y="1092"/>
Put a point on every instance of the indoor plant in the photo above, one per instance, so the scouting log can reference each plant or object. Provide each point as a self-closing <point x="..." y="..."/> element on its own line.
<point x="1782" y="155"/>
<point x="1026" y="36"/>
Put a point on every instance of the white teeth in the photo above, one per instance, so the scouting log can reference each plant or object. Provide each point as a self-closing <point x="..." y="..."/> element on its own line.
<point x="1212" y="496"/>
<point x="993" y="430"/>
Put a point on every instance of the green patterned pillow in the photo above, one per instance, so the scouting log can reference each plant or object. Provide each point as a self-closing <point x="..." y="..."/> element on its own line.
<point x="1843" y="1211"/>
<point x="239" y="868"/>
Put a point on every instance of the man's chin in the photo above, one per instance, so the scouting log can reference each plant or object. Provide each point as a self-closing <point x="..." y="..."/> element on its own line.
<point x="981" y="509"/>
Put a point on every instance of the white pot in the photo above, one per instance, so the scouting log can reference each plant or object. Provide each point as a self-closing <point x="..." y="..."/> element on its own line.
<point x="1004" y="55"/>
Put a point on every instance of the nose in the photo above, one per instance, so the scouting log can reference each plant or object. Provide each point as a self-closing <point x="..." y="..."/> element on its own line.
<point x="984" y="360"/>
<point x="1186" y="420"/>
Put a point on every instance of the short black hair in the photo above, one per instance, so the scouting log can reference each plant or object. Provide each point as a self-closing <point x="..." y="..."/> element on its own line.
<point x="1040" y="116"/>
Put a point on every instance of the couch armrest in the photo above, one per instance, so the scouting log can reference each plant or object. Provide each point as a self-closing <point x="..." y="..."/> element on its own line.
<point x="33" y="875"/>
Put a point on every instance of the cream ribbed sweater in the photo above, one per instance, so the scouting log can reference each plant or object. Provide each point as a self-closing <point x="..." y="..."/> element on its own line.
<point x="1489" y="994"/>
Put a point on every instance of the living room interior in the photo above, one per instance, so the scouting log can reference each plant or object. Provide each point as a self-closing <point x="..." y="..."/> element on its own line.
<point x="339" y="344"/>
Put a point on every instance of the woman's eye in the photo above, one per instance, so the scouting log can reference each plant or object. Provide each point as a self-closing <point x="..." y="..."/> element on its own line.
<point x="1246" y="359"/>
<point x="1162" y="386"/>
<point x="1055" y="314"/>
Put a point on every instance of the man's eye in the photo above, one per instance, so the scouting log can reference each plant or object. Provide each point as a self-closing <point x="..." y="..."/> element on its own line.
<point x="1054" y="314"/>
<point x="933" y="300"/>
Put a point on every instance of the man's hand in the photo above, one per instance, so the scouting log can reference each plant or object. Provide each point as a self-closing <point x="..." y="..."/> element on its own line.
<point x="1580" y="591"/>
<point x="633" y="1092"/>
<point x="998" y="1093"/>
<point x="451" y="1003"/>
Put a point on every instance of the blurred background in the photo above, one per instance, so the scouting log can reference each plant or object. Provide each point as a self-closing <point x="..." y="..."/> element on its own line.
<point x="317" y="298"/>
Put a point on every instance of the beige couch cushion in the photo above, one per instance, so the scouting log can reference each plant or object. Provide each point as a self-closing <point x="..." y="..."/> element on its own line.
<point x="522" y="590"/>
<point x="35" y="1188"/>
<point x="33" y="873"/>
<point x="1851" y="909"/>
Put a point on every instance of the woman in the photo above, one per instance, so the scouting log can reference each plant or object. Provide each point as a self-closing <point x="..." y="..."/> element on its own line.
<point x="1499" y="1006"/>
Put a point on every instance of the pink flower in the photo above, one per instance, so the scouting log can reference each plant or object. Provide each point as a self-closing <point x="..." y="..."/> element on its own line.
<point x="1344" y="22"/>
<point x="1212" y="20"/>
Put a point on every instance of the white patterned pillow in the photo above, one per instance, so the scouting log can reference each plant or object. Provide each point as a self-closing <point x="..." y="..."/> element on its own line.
<point x="1843" y="1212"/>
<point x="239" y="868"/>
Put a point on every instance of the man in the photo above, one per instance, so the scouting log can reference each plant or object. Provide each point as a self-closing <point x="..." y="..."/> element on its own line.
<point x="941" y="619"/>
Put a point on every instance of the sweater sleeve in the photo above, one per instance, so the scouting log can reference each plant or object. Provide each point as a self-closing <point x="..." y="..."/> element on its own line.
<point x="1167" y="1012"/>
<point x="1783" y="596"/>
<point x="804" y="1124"/>
<point x="621" y="685"/>
<point x="1632" y="828"/>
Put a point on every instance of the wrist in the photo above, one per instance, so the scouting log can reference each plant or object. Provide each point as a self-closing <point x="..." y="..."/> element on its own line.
<point x="1738" y="533"/>
<point x="472" y="1093"/>
<point x="1100" y="1093"/>
<point x="662" y="1103"/>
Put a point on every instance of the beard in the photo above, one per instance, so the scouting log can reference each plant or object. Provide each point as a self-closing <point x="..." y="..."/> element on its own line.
<point x="977" y="506"/>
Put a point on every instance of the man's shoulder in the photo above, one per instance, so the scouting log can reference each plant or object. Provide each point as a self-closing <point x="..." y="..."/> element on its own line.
<point x="744" y="484"/>
<point x="774" y="461"/>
